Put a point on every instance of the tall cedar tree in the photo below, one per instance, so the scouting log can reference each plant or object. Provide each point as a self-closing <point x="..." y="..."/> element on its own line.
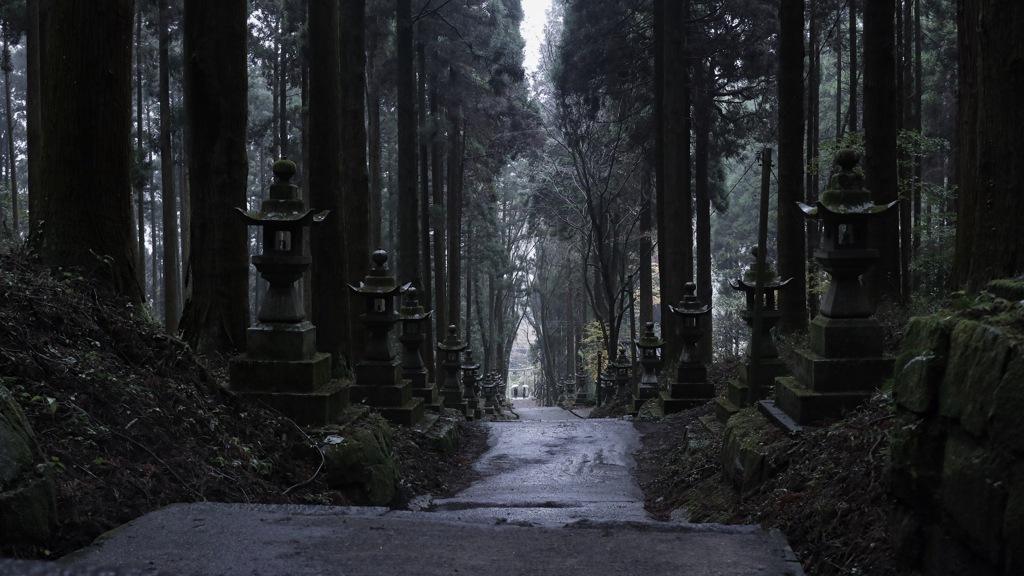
<point x="85" y="216"/>
<point x="216" y="311"/>
<point x="792" y="300"/>
<point x="168" y="196"/>
<point x="989" y="242"/>
<point x="408" y="265"/>
<point x="355" y="183"/>
<point x="327" y="241"/>
<point x="881" y="118"/>
<point x="675" y="229"/>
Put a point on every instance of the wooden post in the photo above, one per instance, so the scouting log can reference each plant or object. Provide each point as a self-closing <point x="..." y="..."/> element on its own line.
<point x="753" y="394"/>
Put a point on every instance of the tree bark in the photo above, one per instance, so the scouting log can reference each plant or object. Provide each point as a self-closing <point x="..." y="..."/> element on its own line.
<point x="86" y="164"/>
<point x="793" y="298"/>
<point x="990" y="120"/>
<point x="408" y="201"/>
<point x="881" y="126"/>
<point x="33" y="108"/>
<point x="327" y="241"/>
<point x="216" y="311"/>
<point x="703" y="115"/>
<point x="675" y="247"/>
<point x="169" y="199"/>
<point x="355" y="183"/>
<point x="853" y="66"/>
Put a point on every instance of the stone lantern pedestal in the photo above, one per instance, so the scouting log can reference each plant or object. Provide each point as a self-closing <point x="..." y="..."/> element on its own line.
<point x="281" y="366"/>
<point x="471" y="386"/>
<point x="646" y="387"/>
<point x="844" y="364"/>
<point x="450" y="356"/>
<point x="761" y="366"/>
<point x="414" y="326"/>
<point x="379" y="379"/>
<point x="690" y="387"/>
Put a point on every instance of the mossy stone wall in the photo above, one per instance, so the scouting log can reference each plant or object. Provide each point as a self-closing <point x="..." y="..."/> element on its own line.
<point x="956" y="460"/>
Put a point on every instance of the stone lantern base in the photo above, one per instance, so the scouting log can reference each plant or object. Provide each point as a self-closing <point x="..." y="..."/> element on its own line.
<point x="842" y="369"/>
<point x="282" y="369"/>
<point x="737" y="394"/>
<point x="379" y="384"/>
<point x="690" y="389"/>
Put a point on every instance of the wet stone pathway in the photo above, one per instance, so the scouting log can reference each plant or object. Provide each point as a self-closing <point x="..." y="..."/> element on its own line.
<point x="557" y="497"/>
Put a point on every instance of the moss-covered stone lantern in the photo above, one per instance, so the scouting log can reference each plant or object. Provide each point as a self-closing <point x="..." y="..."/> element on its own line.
<point x="414" y="327"/>
<point x="845" y="211"/>
<point x="450" y="355"/>
<point x="281" y="366"/>
<point x="646" y="386"/>
<point x="690" y="387"/>
<point x="379" y="381"/>
<point x="283" y="218"/>
<point x="844" y="364"/>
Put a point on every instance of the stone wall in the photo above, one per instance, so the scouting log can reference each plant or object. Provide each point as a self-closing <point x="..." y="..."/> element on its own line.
<point x="956" y="462"/>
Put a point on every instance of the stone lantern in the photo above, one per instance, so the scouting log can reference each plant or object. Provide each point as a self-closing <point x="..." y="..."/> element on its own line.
<point x="845" y="210"/>
<point x="581" y="382"/>
<point x="747" y="283"/>
<point x="283" y="217"/>
<point x="281" y="366"/>
<point x="647" y="386"/>
<point x="622" y="368"/>
<point x="844" y="365"/>
<point x="690" y="387"/>
<point x="450" y="355"/>
<point x="471" y="384"/>
<point x="414" y="325"/>
<point x="761" y="364"/>
<point x="379" y="379"/>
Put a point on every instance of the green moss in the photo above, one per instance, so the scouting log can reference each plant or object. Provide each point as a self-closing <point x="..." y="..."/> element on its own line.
<point x="361" y="459"/>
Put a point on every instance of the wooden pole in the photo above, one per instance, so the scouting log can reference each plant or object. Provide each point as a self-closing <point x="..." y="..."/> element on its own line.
<point x="753" y="394"/>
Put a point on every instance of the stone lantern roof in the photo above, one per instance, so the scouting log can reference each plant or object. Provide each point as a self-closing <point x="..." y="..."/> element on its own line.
<point x="846" y="193"/>
<point x="283" y="204"/>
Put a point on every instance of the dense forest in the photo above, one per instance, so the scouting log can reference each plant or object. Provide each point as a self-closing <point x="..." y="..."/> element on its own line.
<point x="577" y="197"/>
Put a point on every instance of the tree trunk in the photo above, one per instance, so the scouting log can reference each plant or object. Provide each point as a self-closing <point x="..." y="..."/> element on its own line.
<point x="703" y="114"/>
<point x="11" y="158"/>
<point x="813" y="137"/>
<point x="355" y="183"/>
<point x="675" y="247"/>
<point x="454" y="206"/>
<point x="169" y="200"/>
<point x="427" y="270"/>
<point x="216" y="311"/>
<point x="33" y="108"/>
<point x="438" y="219"/>
<point x="408" y="200"/>
<point x="791" y="222"/>
<point x="137" y="181"/>
<point x="86" y="164"/>
<point x="881" y="126"/>
<point x="327" y="242"/>
<point x="989" y="243"/>
<point x="853" y="66"/>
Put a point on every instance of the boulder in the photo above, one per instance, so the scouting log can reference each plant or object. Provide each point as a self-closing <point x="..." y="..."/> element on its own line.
<point x="28" y="504"/>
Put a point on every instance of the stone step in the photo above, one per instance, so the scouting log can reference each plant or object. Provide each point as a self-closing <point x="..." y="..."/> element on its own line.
<point x="808" y="407"/>
<point x="321" y="406"/>
<point x="408" y="414"/>
<point x="820" y="374"/>
<point x="725" y="409"/>
<point x="671" y="405"/>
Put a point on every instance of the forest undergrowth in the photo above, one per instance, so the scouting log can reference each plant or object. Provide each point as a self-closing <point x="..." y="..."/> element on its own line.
<point x="130" y="419"/>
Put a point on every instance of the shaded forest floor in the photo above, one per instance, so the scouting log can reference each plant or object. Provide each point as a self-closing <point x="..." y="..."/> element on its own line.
<point x="827" y="494"/>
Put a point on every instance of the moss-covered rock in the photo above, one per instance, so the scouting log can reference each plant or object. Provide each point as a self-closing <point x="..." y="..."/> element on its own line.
<point x="750" y="444"/>
<point x="360" y="458"/>
<point x="28" y="506"/>
<point x="1006" y="425"/>
<point x="978" y="355"/>
<point x="922" y="362"/>
<point x="914" y="467"/>
<point x="975" y="492"/>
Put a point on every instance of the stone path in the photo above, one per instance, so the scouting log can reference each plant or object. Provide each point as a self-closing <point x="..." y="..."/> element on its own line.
<point x="557" y="497"/>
